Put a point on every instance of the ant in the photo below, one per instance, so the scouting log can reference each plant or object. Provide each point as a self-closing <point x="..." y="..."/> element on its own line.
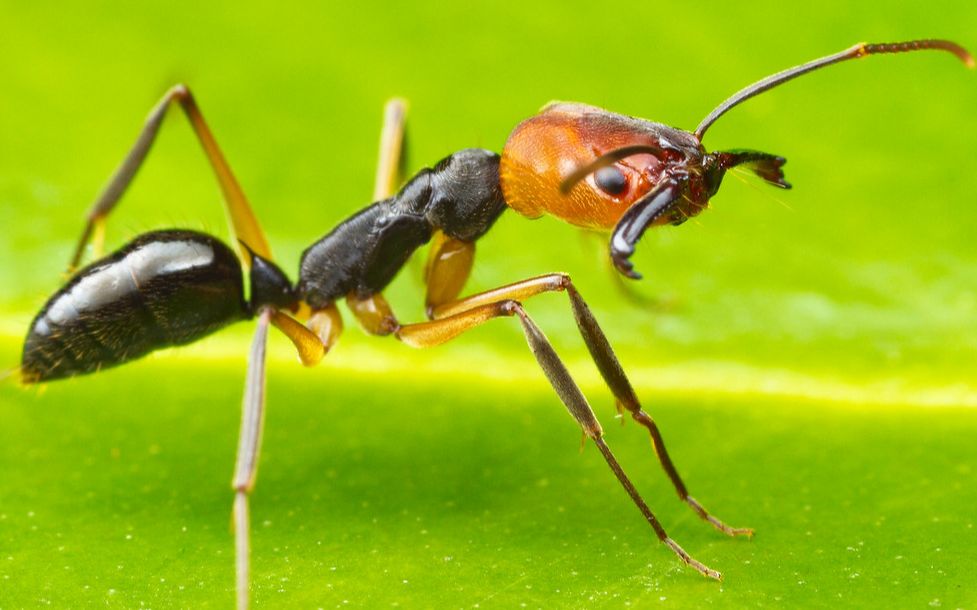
<point x="590" y="167"/>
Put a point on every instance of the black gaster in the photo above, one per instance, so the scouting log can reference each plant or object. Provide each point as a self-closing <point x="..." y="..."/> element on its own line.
<point x="164" y="288"/>
<point x="460" y="196"/>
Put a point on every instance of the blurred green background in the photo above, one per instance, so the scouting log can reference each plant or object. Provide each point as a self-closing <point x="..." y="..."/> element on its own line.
<point x="810" y="358"/>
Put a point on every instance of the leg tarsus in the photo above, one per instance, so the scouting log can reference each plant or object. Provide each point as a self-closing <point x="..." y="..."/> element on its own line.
<point x="649" y="516"/>
<point x="716" y="523"/>
<point x="576" y="403"/>
<point x="692" y="561"/>
<point x="658" y="444"/>
<point x="613" y="373"/>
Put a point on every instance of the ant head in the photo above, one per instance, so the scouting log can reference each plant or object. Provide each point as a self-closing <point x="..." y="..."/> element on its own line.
<point x="586" y="165"/>
<point x="601" y="170"/>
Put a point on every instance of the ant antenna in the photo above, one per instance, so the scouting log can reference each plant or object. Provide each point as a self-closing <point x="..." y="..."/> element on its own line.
<point x="604" y="160"/>
<point x="862" y="49"/>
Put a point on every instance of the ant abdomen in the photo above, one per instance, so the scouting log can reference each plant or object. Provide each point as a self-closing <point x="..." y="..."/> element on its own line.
<point x="162" y="289"/>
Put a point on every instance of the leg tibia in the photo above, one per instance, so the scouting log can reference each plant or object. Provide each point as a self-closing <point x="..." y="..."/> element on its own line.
<point x="244" y="224"/>
<point x="481" y="310"/>
<point x="604" y="358"/>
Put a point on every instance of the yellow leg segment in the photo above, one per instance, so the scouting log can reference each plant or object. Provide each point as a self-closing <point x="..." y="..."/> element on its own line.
<point x="244" y="225"/>
<point x="391" y="156"/>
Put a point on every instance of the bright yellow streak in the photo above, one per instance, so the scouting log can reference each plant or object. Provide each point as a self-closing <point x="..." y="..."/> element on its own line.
<point x="366" y="356"/>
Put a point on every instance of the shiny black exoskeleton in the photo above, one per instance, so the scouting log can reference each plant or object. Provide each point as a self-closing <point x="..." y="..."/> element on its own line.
<point x="173" y="287"/>
<point x="460" y="196"/>
<point x="164" y="288"/>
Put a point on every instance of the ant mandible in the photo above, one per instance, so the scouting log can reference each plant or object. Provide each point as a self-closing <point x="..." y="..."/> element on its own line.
<point x="585" y="165"/>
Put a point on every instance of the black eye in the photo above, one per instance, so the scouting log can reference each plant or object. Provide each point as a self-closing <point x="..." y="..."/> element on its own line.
<point x="611" y="180"/>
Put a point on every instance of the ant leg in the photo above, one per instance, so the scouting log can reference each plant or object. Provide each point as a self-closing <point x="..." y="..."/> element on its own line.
<point x="607" y="363"/>
<point x="375" y="316"/>
<point x="310" y="345"/>
<point x="613" y="373"/>
<point x="311" y="349"/>
<point x="455" y="256"/>
<point x="327" y="324"/>
<point x="244" y="224"/>
<point x="249" y="446"/>
<point x="449" y="264"/>
<point x="390" y="161"/>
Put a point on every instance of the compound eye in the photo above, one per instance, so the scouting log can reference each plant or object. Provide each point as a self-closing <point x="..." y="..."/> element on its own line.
<point x="611" y="180"/>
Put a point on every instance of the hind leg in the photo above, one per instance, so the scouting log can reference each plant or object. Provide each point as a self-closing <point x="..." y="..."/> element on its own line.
<point x="244" y="224"/>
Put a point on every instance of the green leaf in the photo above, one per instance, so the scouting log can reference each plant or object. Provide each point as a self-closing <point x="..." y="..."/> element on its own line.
<point x="457" y="492"/>
<point x="808" y="354"/>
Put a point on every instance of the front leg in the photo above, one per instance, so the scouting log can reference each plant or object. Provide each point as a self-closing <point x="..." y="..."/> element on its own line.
<point x="607" y="363"/>
<point x="375" y="316"/>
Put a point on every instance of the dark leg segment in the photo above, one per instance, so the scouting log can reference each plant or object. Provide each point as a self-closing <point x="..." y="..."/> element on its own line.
<point x="559" y="378"/>
<point x="613" y="374"/>
<point x="572" y="397"/>
<point x="436" y="332"/>
<point x="649" y="516"/>
<point x="608" y="365"/>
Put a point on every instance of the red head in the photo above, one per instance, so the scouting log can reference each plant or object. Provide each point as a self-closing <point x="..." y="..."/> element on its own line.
<point x="546" y="149"/>
<point x="600" y="170"/>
